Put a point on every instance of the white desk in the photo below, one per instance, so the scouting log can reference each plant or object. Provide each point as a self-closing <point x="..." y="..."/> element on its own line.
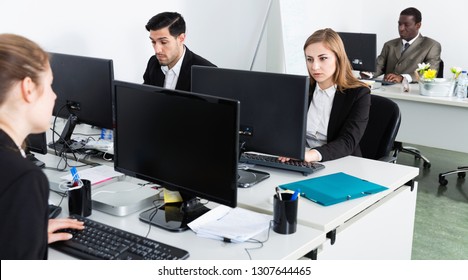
<point x="293" y="246"/>
<point x="379" y="226"/>
<point x="430" y="121"/>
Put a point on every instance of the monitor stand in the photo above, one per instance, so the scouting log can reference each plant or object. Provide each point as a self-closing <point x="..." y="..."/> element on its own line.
<point x="174" y="216"/>
<point x="249" y="177"/>
<point x="65" y="144"/>
<point x="69" y="147"/>
<point x="34" y="160"/>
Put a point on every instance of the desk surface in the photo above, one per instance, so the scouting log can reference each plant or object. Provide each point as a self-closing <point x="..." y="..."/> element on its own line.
<point x="326" y="218"/>
<point x="430" y="121"/>
<point x="278" y="246"/>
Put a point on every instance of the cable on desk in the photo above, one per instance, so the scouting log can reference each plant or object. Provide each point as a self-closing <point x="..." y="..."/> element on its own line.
<point x="251" y="240"/>
<point x="53" y="127"/>
<point x="156" y="207"/>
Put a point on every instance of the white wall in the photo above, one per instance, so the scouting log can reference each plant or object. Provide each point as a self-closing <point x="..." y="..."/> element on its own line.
<point x="445" y="22"/>
<point x="225" y="32"/>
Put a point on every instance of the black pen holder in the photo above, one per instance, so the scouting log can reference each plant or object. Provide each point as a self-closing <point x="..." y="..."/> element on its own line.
<point x="285" y="213"/>
<point x="79" y="199"/>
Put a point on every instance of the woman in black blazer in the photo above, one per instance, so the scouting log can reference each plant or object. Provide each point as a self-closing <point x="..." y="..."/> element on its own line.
<point x="26" y="102"/>
<point x="338" y="102"/>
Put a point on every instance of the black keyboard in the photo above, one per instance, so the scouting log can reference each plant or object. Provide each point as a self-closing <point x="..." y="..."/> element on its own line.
<point x="102" y="242"/>
<point x="271" y="161"/>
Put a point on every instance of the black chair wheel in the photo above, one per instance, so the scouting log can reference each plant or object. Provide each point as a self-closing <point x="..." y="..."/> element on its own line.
<point x="462" y="175"/>
<point x="427" y="165"/>
<point x="443" y="181"/>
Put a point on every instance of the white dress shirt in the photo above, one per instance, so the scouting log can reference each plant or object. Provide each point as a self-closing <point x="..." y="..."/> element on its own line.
<point x="172" y="75"/>
<point x="318" y="116"/>
<point x="403" y="42"/>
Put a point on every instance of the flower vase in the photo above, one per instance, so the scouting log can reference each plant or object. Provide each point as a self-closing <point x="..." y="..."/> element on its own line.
<point x="437" y="87"/>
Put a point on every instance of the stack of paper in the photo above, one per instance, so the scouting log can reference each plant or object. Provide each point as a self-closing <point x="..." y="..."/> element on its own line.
<point x="96" y="175"/>
<point x="230" y="224"/>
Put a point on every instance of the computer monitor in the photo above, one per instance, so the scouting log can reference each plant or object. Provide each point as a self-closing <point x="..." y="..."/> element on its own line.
<point x="84" y="87"/>
<point x="273" y="107"/>
<point x="361" y="49"/>
<point x="183" y="141"/>
<point x="36" y="143"/>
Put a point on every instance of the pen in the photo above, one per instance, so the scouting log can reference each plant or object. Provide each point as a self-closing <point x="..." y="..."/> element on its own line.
<point x="295" y="194"/>
<point x="278" y="193"/>
<point x="75" y="176"/>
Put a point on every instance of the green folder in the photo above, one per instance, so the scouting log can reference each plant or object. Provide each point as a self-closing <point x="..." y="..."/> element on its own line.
<point x="334" y="188"/>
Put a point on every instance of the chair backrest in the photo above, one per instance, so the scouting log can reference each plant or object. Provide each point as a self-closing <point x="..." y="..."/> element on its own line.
<point x="382" y="128"/>
<point x="440" y="73"/>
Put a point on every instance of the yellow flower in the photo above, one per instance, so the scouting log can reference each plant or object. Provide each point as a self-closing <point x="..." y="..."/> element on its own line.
<point x="430" y="74"/>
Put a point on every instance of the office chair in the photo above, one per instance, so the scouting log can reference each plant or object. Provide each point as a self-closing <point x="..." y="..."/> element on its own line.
<point x="412" y="150"/>
<point x="381" y="131"/>
<point x="461" y="171"/>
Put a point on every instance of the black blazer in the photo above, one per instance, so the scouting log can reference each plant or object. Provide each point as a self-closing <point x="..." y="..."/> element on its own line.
<point x="24" y="195"/>
<point x="155" y="76"/>
<point x="348" y="121"/>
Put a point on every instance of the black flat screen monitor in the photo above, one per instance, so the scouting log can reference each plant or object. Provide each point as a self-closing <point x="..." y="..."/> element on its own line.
<point x="36" y="143"/>
<point x="361" y="49"/>
<point x="180" y="140"/>
<point x="84" y="87"/>
<point x="273" y="106"/>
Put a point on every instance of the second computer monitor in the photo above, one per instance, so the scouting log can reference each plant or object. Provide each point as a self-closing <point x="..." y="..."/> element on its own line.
<point x="37" y="143"/>
<point x="180" y="140"/>
<point x="273" y="106"/>
<point x="361" y="49"/>
<point x="84" y="87"/>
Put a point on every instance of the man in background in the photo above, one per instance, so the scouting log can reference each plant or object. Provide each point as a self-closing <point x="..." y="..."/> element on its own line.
<point x="171" y="65"/>
<point x="400" y="57"/>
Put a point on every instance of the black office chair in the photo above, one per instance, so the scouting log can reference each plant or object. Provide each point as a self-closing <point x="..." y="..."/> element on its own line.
<point x="382" y="128"/>
<point x="461" y="171"/>
<point x="412" y="150"/>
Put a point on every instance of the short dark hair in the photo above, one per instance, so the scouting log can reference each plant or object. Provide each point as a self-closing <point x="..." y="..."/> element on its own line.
<point x="412" y="12"/>
<point x="173" y="20"/>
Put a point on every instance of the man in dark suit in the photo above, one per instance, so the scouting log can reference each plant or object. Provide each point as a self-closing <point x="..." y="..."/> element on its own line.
<point x="400" y="57"/>
<point x="171" y="65"/>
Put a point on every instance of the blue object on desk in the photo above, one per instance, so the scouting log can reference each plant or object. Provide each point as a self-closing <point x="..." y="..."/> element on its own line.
<point x="75" y="176"/>
<point x="334" y="188"/>
<point x="295" y="194"/>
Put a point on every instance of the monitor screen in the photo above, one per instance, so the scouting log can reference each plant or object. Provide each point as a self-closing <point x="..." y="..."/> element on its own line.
<point x="84" y="90"/>
<point x="180" y="140"/>
<point x="361" y="49"/>
<point x="36" y="143"/>
<point x="273" y="106"/>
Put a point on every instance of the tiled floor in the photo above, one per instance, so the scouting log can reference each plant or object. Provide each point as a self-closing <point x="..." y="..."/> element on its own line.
<point x="441" y="222"/>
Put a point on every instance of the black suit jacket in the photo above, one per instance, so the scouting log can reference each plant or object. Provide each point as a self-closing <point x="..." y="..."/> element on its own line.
<point x="423" y="49"/>
<point x="24" y="195"/>
<point x="348" y="121"/>
<point x="155" y="76"/>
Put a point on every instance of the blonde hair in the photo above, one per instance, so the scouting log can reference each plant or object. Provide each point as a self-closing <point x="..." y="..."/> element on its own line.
<point x="20" y="58"/>
<point x="343" y="76"/>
